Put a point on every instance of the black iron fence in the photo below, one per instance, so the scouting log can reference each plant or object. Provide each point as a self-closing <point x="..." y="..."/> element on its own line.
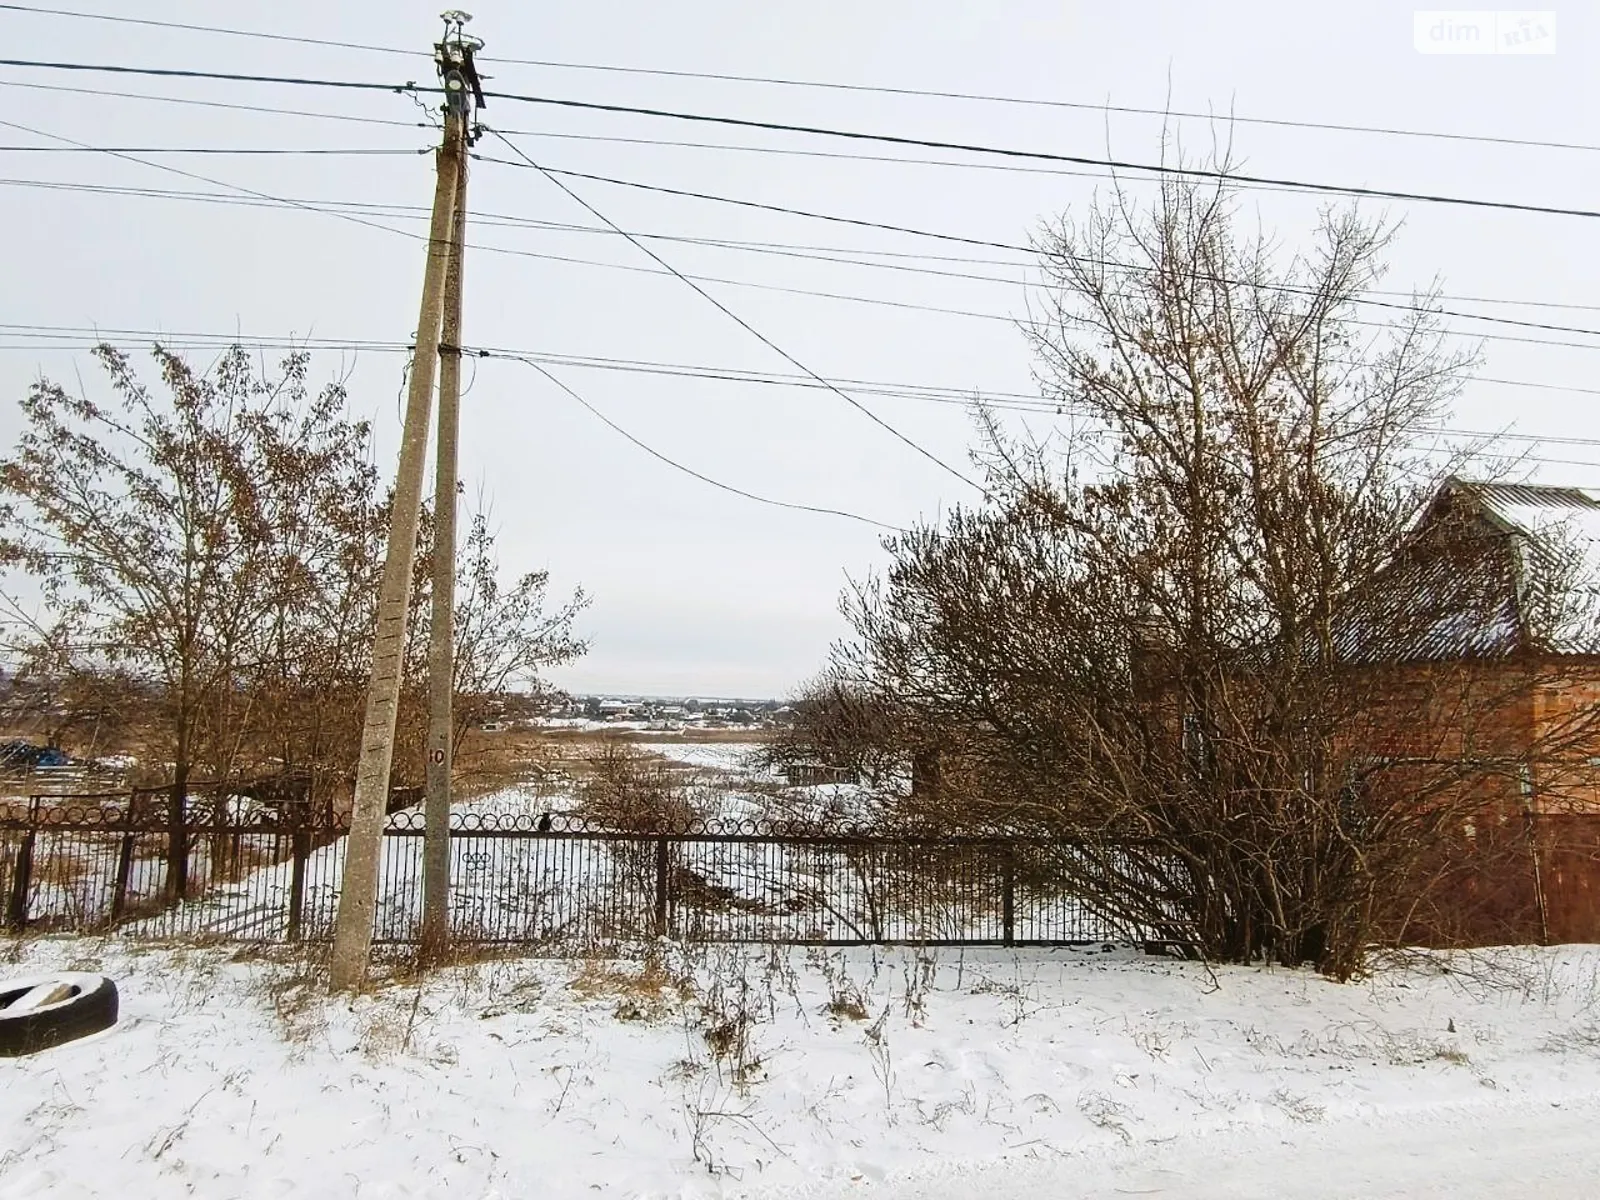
<point x="258" y="876"/>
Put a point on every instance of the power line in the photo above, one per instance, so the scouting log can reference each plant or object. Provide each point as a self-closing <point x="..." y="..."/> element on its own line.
<point x="914" y="391"/>
<point x="810" y="251"/>
<point x="698" y="145"/>
<point x="180" y="25"/>
<point x="346" y="216"/>
<point x="855" y="221"/>
<point x="213" y="182"/>
<point x="1008" y="401"/>
<point x="227" y="150"/>
<point x="678" y="466"/>
<point x="223" y="76"/>
<point x="933" y="393"/>
<point x="1086" y="106"/>
<point x="822" y="253"/>
<point x="337" y="208"/>
<point x="573" y="260"/>
<point x="785" y="151"/>
<point x="828" y="254"/>
<point x="737" y="148"/>
<point x="326" y="208"/>
<point x="856" y="88"/>
<point x="194" y="102"/>
<point x="987" y="398"/>
<point x="740" y="321"/>
<point x="1160" y="169"/>
<point x="1016" y="248"/>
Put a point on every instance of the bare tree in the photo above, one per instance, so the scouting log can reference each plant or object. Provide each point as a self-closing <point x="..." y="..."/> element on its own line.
<point x="506" y="638"/>
<point x="169" y="533"/>
<point x="304" y="675"/>
<point x="1180" y="635"/>
<point x="839" y="723"/>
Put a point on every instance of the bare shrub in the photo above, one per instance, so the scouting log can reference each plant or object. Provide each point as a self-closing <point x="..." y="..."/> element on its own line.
<point x="1105" y="1113"/>
<point x="846" y="999"/>
<point x="632" y="792"/>
<point x="841" y="730"/>
<point x="920" y="970"/>
<point x="730" y="1004"/>
<point x="876" y="1039"/>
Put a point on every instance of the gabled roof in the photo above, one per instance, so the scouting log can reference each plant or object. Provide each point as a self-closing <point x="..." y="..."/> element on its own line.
<point x="1540" y="513"/>
<point x="1557" y="533"/>
<point x="1490" y="570"/>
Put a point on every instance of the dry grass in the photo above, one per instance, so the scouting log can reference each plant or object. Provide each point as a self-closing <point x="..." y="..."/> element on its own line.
<point x="407" y="967"/>
<point x="488" y="762"/>
<point x="846" y="1007"/>
<point x="648" y="991"/>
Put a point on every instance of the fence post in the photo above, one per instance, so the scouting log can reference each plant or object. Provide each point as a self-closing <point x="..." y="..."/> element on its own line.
<point x="236" y="821"/>
<point x="299" y="842"/>
<point x="1008" y="894"/>
<point x="21" y="876"/>
<point x="119" y="895"/>
<point x="661" y="887"/>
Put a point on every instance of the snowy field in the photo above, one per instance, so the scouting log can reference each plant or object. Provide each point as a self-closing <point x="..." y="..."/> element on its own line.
<point x="734" y="758"/>
<point x="1012" y="1074"/>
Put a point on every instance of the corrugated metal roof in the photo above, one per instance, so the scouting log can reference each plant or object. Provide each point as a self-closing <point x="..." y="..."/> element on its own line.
<point x="1569" y="517"/>
<point x="1491" y="570"/>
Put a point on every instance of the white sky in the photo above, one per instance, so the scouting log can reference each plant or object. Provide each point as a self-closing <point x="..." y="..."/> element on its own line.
<point x="697" y="591"/>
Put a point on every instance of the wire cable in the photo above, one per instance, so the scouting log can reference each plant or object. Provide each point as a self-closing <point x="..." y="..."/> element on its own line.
<point x="819" y="253"/>
<point x="1082" y="105"/>
<point x="195" y="102"/>
<point x="228" y="150"/>
<point x="838" y="254"/>
<point x="223" y="76"/>
<point x="858" y="222"/>
<point x="739" y="148"/>
<point x="1021" y="402"/>
<point x="342" y="209"/>
<point x="150" y="22"/>
<point x="740" y="321"/>
<point x="250" y="197"/>
<point x="824" y="85"/>
<point x="678" y="466"/>
<point x="1159" y="169"/>
<point x="213" y="182"/>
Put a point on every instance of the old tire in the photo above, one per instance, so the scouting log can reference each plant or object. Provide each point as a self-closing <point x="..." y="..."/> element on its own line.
<point x="42" y="1011"/>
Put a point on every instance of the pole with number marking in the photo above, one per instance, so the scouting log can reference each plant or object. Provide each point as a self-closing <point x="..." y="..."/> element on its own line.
<point x="358" y="891"/>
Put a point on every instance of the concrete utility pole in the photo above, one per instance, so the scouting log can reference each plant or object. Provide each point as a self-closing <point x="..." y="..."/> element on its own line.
<point x="358" y="892"/>
<point x="441" y="643"/>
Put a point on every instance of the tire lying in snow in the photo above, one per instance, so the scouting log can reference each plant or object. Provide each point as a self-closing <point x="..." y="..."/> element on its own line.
<point x="42" y="1011"/>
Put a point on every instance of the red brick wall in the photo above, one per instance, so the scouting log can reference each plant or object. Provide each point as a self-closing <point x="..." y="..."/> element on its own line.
<point x="1566" y="708"/>
<point x="1526" y="868"/>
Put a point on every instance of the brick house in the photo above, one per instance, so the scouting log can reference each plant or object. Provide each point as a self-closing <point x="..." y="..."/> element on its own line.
<point x="1504" y="583"/>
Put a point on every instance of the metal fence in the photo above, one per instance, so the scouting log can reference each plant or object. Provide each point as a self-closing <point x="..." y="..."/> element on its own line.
<point x="529" y="881"/>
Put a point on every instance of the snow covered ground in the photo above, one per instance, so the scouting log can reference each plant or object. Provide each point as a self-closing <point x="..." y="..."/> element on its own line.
<point x="735" y="758"/>
<point x="816" y="1075"/>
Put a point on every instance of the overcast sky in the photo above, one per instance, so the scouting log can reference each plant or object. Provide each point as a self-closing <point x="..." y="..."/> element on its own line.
<point x="696" y="590"/>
